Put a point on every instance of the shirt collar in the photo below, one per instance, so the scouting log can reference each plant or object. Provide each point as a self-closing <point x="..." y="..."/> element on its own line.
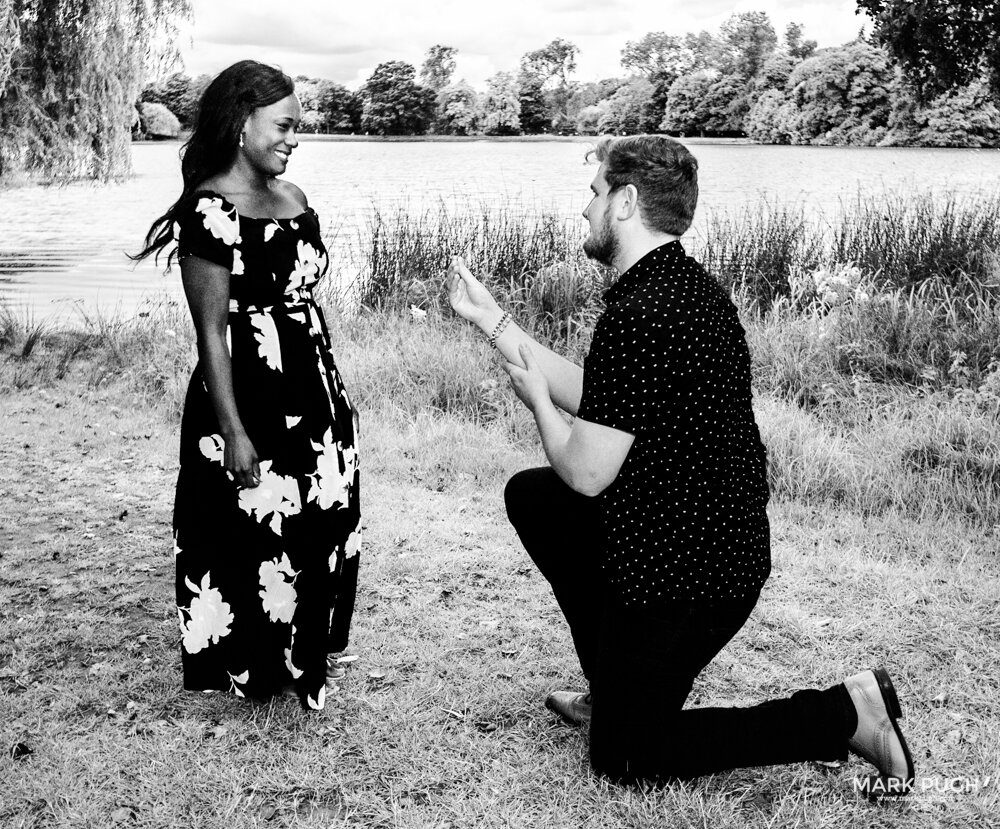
<point x="652" y="264"/>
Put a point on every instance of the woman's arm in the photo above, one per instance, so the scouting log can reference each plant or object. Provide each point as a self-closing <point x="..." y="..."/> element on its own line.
<point x="206" y="286"/>
<point x="472" y="301"/>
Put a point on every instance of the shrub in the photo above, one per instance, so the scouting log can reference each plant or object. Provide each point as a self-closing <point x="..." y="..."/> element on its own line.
<point x="157" y="121"/>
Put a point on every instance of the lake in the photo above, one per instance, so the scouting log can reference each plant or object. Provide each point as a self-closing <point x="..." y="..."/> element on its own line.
<point x="62" y="249"/>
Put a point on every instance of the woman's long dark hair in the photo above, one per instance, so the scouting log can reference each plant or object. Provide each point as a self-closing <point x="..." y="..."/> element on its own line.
<point x="223" y="110"/>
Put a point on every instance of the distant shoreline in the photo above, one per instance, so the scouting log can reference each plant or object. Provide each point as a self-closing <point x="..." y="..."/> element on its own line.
<point x="496" y="139"/>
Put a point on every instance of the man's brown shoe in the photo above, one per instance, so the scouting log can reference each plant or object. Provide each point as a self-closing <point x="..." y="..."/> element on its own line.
<point x="572" y="706"/>
<point x="878" y="737"/>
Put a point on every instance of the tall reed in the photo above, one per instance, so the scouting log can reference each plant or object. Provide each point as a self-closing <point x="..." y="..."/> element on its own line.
<point x="900" y="241"/>
<point x="533" y="263"/>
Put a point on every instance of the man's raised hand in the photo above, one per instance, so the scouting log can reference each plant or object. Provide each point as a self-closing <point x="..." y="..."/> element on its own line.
<point x="468" y="296"/>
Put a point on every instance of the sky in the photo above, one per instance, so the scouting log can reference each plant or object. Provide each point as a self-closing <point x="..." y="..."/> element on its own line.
<point x="345" y="41"/>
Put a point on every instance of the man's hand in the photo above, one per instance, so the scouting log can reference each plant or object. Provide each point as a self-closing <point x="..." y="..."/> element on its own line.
<point x="529" y="382"/>
<point x="468" y="297"/>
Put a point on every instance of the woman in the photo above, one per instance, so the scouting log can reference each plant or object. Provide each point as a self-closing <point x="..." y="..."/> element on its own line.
<point x="266" y="517"/>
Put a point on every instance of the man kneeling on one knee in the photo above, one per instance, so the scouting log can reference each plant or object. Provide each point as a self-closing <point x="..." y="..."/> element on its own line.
<point x="650" y="522"/>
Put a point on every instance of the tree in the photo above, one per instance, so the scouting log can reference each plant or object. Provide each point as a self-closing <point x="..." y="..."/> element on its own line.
<point x="554" y="62"/>
<point x="686" y="110"/>
<point x="501" y="109"/>
<point x="774" y="74"/>
<point x="625" y="111"/>
<point x="592" y="93"/>
<point x="394" y="103"/>
<point x="178" y="93"/>
<point x="532" y="105"/>
<point x="745" y="43"/>
<point x="706" y="49"/>
<point x="940" y="44"/>
<point x="661" y="59"/>
<point x="588" y="119"/>
<point x="70" y="73"/>
<point x="963" y="117"/>
<point x="749" y="39"/>
<point x="457" y="110"/>
<point x="842" y="96"/>
<point x="967" y="116"/>
<point x="438" y="67"/>
<point x="770" y="119"/>
<point x="327" y="106"/>
<point x="703" y="103"/>
<point x="547" y="70"/>
<point x="797" y="47"/>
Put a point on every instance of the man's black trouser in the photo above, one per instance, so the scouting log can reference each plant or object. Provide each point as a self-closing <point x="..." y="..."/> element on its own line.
<point x="641" y="663"/>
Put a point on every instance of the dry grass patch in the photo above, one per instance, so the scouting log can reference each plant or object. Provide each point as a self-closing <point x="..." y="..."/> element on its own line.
<point x="440" y="721"/>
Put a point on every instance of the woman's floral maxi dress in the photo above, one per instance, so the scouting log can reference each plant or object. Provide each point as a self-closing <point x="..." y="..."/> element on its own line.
<point x="266" y="577"/>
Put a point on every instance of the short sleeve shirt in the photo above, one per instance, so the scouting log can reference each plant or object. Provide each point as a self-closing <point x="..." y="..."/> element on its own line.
<point x="686" y="517"/>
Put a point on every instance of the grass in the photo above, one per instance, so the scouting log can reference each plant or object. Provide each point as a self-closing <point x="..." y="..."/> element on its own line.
<point x="533" y="262"/>
<point x="878" y="406"/>
<point x="900" y="241"/>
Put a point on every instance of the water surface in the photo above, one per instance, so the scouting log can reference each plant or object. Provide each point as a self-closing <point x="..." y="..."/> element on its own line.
<point x="62" y="249"/>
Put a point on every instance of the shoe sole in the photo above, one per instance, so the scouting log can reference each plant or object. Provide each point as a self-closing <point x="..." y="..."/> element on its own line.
<point x="895" y="711"/>
<point x="551" y="705"/>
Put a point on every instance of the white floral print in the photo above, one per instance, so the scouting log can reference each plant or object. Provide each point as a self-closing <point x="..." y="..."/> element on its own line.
<point x="295" y="672"/>
<point x="275" y="495"/>
<point x="236" y="681"/>
<point x="279" y="597"/>
<point x="209" y="616"/>
<point x="331" y="487"/>
<point x="316" y="702"/>
<point x="309" y="265"/>
<point x="269" y="231"/>
<point x="237" y="262"/>
<point x="268" y="345"/>
<point x="223" y="224"/>
<point x="213" y="447"/>
<point x="353" y="544"/>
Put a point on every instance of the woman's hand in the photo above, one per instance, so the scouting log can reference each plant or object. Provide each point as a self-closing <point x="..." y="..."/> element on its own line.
<point x="529" y="382"/>
<point x="469" y="298"/>
<point x="240" y="460"/>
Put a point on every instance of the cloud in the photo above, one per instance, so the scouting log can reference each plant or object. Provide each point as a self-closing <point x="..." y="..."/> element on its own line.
<point x="345" y="42"/>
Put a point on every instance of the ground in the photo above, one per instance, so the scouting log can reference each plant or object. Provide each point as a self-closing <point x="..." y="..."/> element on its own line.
<point x="439" y="721"/>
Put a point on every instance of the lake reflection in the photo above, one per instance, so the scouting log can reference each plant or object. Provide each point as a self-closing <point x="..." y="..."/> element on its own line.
<point x="63" y="247"/>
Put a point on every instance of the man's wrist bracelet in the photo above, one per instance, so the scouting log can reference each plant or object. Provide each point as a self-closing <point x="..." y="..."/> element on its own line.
<point x="500" y="326"/>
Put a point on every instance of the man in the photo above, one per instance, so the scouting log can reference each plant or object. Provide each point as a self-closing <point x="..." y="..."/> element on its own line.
<point x="650" y="521"/>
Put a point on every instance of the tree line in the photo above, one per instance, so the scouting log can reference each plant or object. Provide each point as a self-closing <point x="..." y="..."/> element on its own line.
<point x="72" y="73"/>
<point x="744" y="80"/>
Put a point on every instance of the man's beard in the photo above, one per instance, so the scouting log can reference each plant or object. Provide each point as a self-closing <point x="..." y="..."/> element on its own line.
<point x="602" y="247"/>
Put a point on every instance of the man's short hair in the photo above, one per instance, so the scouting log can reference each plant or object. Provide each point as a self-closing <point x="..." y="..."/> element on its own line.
<point x="661" y="169"/>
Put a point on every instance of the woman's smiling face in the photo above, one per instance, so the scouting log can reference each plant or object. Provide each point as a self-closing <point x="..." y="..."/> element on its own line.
<point x="269" y="135"/>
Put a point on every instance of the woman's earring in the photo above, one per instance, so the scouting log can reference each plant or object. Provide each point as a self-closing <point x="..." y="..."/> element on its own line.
<point x="241" y="139"/>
